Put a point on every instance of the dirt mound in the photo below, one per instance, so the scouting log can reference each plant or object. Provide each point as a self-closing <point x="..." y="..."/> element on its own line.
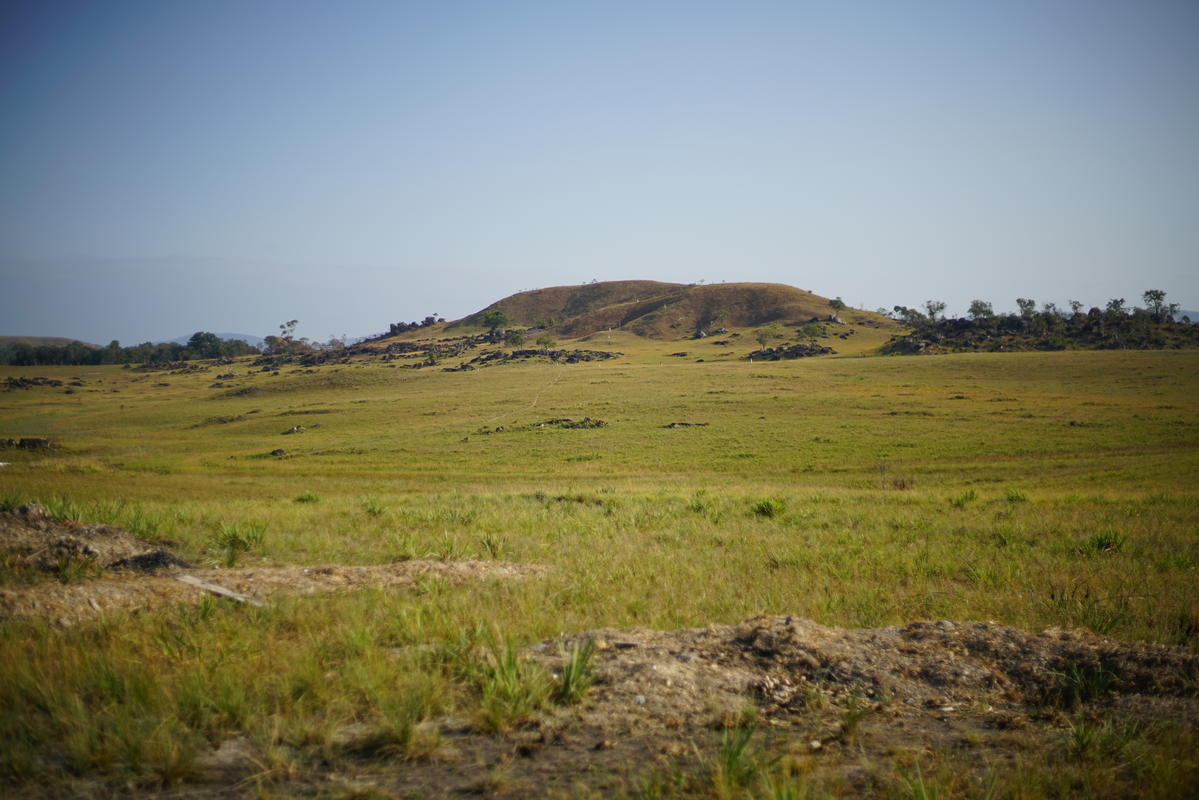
<point x="784" y="665"/>
<point x="102" y="568"/>
<point x="837" y="707"/>
<point x="32" y="539"/>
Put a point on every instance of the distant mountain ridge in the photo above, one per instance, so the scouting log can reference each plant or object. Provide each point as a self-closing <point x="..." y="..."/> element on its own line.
<point x="658" y="310"/>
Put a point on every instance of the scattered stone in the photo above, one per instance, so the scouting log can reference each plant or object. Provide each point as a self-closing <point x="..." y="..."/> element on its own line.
<point x="150" y="563"/>
<point x="28" y="383"/>
<point x="686" y="425"/>
<point x="26" y="443"/>
<point x="280" y="452"/>
<point x="791" y="351"/>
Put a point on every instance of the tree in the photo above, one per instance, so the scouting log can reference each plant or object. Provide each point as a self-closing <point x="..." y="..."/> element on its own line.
<point x="113" y="354"/>
<point x="515" y="338"/>
<point x="1116" y="305"/>
<point x="1155" y="303"/>
<point x="1075" y="308"/>
<point x="495" y="319"/>
<point x="980" y="309"/>
<point x="910" y="316"/>
<point x="545" y="342"/>
<point x="203" y="344"/>
<point x="1028" y="307"/>
<point x="933" y="307"/>
<point x="837" y="304"/>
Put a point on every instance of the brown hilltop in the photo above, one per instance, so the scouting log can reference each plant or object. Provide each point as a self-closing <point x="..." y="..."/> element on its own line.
<point x="657" y="310"/>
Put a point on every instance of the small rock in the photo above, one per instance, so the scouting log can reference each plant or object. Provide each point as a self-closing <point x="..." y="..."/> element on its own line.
<point x="815" y="744"/>
<point x="639" y="699"/>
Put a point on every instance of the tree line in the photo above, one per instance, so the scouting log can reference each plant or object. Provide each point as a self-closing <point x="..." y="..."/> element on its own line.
<point x="202" y="344"/>
<point x="1114" y="326"/>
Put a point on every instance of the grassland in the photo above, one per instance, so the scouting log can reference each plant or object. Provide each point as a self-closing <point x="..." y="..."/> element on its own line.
<point x="1035" y="489"/>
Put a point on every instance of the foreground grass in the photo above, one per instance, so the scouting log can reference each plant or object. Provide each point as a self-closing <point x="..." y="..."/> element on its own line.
<point x="1037" y="490"/>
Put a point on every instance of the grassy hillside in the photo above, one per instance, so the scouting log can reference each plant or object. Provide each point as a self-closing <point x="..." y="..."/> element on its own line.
<point x="1035" y="489"/>
<point x="664" y="310"/>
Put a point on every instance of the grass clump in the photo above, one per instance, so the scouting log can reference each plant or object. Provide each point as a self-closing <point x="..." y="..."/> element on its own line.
<point x="770" y="507"/>
<point x="307" y="497"/>
<point x="511" y="688"/>
<point x="231" y="541"/>
<point x="964" y="499"/>
<point x="1081" y="683"/>
<point x="1108" y="541"/>
<point x="577" y="673"/>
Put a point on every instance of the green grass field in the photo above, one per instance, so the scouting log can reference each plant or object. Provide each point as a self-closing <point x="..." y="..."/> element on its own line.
<point x="1037" y="490"/>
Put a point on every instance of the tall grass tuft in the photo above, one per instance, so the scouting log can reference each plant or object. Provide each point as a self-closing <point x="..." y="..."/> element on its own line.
<point x="510" y="687"/>
<point x="770" y="507"/>
<point x="232" y="540"/>
<point x="577" y="673"/>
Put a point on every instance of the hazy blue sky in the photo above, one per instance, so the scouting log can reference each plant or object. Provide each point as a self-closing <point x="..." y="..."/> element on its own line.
<point x="167" y="167"/>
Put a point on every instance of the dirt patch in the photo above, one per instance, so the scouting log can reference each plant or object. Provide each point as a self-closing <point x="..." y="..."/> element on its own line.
<point x="840" y="706"/>
<point x="67" y="573"/>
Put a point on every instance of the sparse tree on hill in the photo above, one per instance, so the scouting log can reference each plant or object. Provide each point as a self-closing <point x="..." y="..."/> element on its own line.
<point x="1155" y="304"/>
<point x="1116" y="306"/>
<point x="934" y="308"/>
<point x="766" y="333"/>
<point x="494" y="320"/>
<point x="1027" y="306"/>
<point x="545" y="342"/>
<point x="980" y="309"/>
<point x="909" y="316"/>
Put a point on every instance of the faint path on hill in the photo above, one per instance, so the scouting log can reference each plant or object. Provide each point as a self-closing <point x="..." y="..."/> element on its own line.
<point x="558" y="369"/>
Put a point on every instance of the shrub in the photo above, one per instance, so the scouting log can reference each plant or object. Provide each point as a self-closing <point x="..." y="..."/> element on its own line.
<point x="770" y="507"/>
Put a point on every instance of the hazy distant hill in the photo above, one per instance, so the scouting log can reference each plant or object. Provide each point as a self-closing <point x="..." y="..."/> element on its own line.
<point x="57" y="341"/>
<point x="245" y="337"/>
<point x="657" y="310"/>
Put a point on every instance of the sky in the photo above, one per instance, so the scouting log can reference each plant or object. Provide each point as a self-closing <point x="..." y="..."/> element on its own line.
<point x="227" y="165"/>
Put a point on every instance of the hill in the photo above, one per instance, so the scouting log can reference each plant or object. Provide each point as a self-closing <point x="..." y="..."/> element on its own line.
<point x="658" y="310"/>
<point x="36" y="341"/>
